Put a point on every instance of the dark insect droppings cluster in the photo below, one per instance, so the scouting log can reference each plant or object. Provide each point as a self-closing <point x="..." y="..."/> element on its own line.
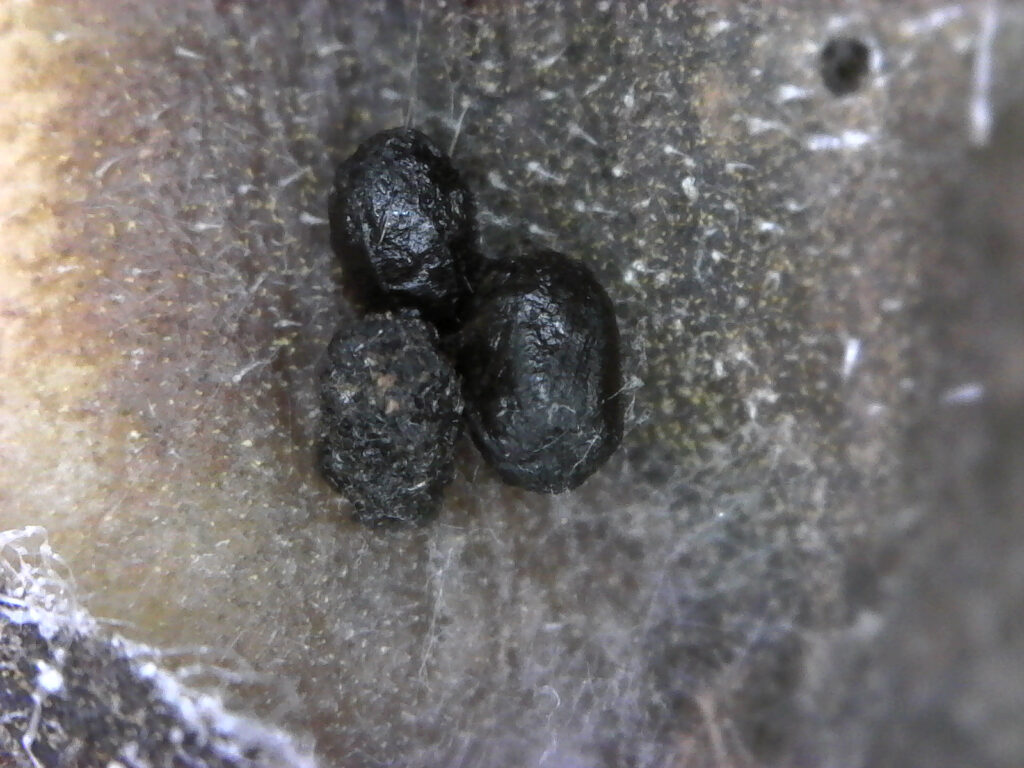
<point x="533" y="335"/>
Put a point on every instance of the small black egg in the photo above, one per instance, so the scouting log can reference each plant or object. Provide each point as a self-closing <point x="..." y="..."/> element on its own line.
<point x="390" y="416"/>
<point x="539" y="357"/>
<point x="401" y="224"/>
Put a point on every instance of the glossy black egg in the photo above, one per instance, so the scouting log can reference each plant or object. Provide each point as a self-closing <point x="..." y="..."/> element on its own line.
<point x="539" y="357"/>
<point x="401" y="224"/>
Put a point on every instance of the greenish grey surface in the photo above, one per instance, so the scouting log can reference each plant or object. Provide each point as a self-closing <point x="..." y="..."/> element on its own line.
<point x="771" y="251"/>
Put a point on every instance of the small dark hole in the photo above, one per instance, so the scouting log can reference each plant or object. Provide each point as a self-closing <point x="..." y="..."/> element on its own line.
<point x="844" y="62"/>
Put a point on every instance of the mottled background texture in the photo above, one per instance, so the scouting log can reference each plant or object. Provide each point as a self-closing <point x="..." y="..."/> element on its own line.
<point x="810" y="548"/>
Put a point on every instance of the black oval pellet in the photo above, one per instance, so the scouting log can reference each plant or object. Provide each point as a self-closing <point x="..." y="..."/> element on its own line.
<point x="390" y="415"/>
<point x="401" y="224"/>
<point x="539" y="357"/>
<point x="844" y="62"/>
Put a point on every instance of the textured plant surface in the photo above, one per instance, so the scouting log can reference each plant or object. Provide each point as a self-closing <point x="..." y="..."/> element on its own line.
<point x="802" y="554"/>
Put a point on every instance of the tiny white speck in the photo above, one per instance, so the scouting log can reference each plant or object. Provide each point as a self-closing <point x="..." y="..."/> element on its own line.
<point x="291" y="179"/>
<point x="536" y="168"/>
<point x="837" y="22"/>
<point x="758" y="125"/>
<point x="876" y="409"/>
<point x="980" y="111"/>
<point x="329" y="48"/>
<point x="595" y="85"/>
<point x="767" y="226"/>
<point x="549" y="61"/>
<point x="185" y="53"/>
<point x="495" y="180"/>
<point x="492" y="218"/>
<point x="49" y="679"/>
<point x="130" y="752"/>
<point x="689" y="186"/>
<point x="618" y="171"/>
<point x="310" y="219"/>
<point x="824" y="142"/>
<point x="688" y="161"/>
<point x="238" y="377"/>
<point x="575" y="130"/>
<point x="970" y="392"/>
<point x="851" y="356"/>
<point x="790" y="92"/>
<point x="718" y="27"/>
